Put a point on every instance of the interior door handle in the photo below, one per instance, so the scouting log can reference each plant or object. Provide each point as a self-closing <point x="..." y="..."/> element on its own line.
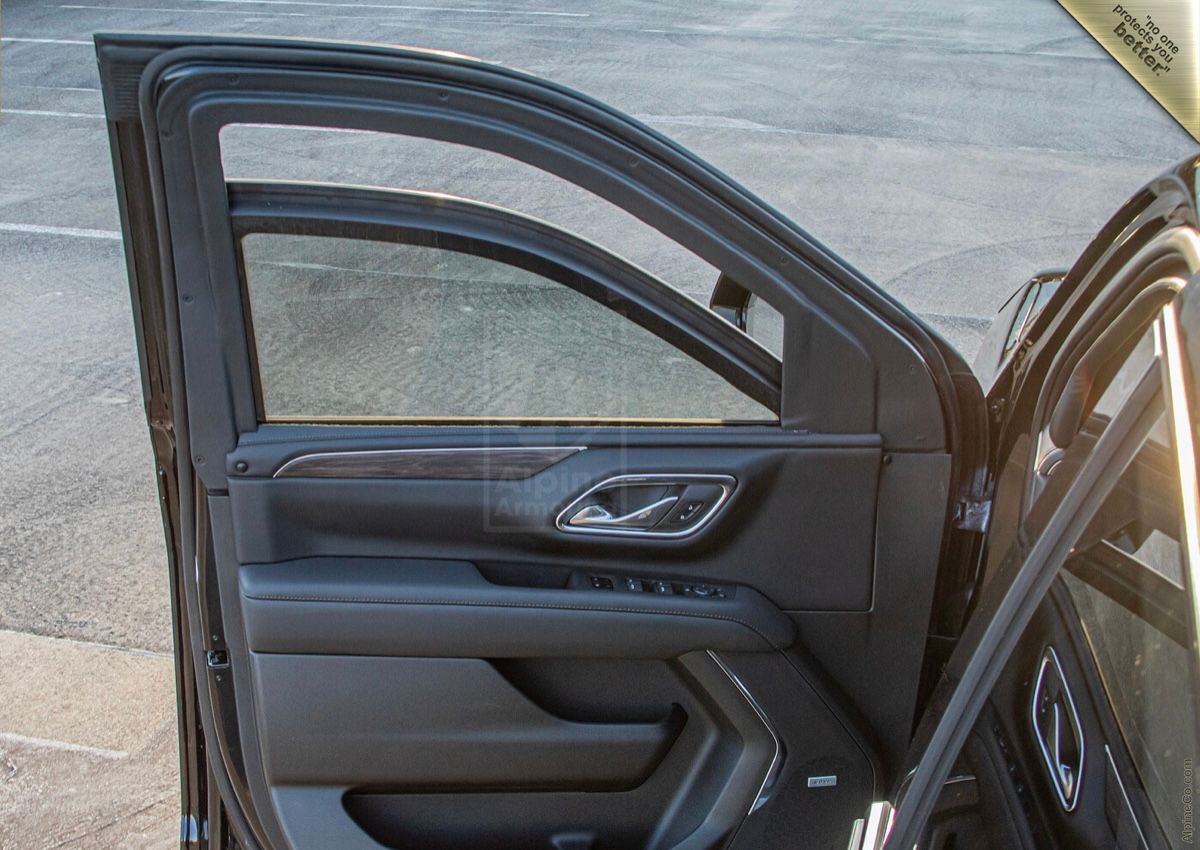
<point x="648" y="505"/>
<point x="1057" y="729"/>
<point x="598" y="516"/>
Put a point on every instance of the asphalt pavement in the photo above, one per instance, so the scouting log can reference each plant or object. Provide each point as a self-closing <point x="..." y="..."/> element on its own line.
<point x="948" y="149"/>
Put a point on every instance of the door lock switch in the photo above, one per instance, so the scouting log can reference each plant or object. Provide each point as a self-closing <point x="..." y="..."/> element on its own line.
<point x="694" y="504"/>
<point x="683" y="515"/>
<point x="602" y="582"/>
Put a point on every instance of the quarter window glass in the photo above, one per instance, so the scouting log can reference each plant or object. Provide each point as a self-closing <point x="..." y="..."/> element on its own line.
<point x="1019" y="320"/>
<point x="764" y="324"/>
<point x="357" y="329"/>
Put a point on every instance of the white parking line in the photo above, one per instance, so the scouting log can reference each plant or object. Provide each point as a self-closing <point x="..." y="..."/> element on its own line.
<point x="407" y="8"/>
<point x="256" y="14"/>
<point x="50" y="230"/>
<point x="64" y="88"/>
<point x="78" y="7"/>
<point x="49" y="112"/>
<point x="46" y="40"/>
<point x="47" y="743"/>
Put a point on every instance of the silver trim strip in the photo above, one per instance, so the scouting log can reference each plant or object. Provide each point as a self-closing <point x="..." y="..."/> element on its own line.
<point x="470" y="462"/>
<point x="764" y="789"/>
<point x="727" y="483"/>
<point x="878" y="827"/>
<point x="1050" y="657"/>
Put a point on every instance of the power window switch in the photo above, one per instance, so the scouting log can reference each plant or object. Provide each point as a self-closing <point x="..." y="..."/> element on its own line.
<point x="635" y="584"/>
<point x="663" y="587"/>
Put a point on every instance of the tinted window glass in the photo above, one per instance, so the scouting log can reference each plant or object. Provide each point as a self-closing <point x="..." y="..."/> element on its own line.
<point x="1125" y="579"/>
<point x="357" y="329"/>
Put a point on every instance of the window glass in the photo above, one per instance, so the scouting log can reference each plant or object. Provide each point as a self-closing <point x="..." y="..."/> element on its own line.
<point x="1125" y="578"/>
<point x="358" y="329"/>
<point x="764" y="324"/>
<point x="1020" y="319"/>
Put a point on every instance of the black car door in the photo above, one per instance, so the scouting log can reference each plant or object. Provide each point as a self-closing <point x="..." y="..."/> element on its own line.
<point x="1068" y="717"/>
<point x="481" y="535"/>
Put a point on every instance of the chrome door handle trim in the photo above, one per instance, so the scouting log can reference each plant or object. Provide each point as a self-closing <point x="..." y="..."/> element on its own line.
<point x="727" y="483"/>
<point x="597" y="516"/>
<point x="1066" y="778"/>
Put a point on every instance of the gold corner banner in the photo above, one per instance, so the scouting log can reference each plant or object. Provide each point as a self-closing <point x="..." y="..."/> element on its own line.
<point x="1157" y="42"/>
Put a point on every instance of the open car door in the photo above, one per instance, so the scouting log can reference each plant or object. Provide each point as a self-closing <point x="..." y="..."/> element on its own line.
<point x="1067" y="715"/>
<point x="483" y="537"/>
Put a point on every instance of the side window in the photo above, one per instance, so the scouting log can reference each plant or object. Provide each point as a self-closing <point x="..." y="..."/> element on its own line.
<point x="354" y="329"/>
<point x="1125" y="578"/>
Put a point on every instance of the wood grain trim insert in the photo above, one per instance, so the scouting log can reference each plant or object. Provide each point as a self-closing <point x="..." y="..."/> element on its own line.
<point x="480" y="464"/>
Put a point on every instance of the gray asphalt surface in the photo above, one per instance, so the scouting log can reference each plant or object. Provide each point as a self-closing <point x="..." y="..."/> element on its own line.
<point x="948" y="149"/>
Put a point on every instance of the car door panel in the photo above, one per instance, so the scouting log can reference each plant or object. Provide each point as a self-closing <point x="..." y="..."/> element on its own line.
<point x="301" y="544"/>
<point x="400" y="637"/>
<point x="822" y="559"/>
<point x="845" y="577"/>
<point x="331" y="591"/>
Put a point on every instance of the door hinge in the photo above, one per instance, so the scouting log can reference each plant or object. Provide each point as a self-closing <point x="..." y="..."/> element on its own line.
<point x="973" y="515"/>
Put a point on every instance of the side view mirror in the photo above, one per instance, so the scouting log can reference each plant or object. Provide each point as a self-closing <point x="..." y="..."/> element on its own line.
<point x="748" y="313"/>
<point x="1012" y="322"/>
<point x="731" y="301"/>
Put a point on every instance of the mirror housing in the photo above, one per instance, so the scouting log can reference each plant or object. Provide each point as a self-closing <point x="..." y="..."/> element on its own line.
<point x="1012" y="322"/>
<point x="731" y="301"/>
<point x="748" y="313"/>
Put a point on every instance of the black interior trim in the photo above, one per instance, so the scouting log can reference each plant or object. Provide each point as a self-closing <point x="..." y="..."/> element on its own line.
<point x="422" y="608"/>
